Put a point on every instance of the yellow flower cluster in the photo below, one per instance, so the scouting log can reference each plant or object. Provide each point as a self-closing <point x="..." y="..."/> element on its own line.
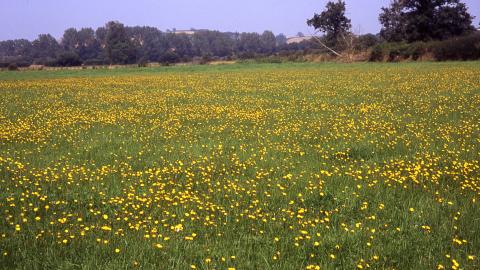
<point x="302" y="167"/>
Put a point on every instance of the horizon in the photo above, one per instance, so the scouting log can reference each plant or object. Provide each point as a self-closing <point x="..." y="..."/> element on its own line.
<point x="211" y="15"/>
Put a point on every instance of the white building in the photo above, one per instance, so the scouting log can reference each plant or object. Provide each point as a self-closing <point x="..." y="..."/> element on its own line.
<point x="294" y="40"/>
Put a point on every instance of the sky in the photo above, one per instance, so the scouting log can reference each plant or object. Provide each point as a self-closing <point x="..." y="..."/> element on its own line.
<point x="29" y="18"/>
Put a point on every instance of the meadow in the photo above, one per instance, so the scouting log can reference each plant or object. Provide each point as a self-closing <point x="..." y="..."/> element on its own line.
<point x="255" y="166"/>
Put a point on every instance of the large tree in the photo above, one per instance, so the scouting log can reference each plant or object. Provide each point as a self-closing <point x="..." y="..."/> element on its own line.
<point x="118" y="46"/>
<point x="281" y="39"/>
<point x="249" y="43"/>
<point x="45" y="47"/>
<point x="268" y="42"/>
<point x="82" y="43"/>
<point x="70" y="40"/>
<point x="423" y="20"/>
<point x="212" y="43"/>
<point x="332" y="21"/>
<point x="392" y="21"/>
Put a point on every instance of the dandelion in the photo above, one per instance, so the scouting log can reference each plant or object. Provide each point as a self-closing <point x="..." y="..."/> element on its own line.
<point x="106" y="228"/>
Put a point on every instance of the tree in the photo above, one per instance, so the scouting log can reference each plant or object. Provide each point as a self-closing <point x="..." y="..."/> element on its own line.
<point x="391" y="18"/>
<point x="89" y="47"/>
<point x="82" y="43"/>
<point x="212" y="43"/>
<point x="19" y="51"/>
<point x="452" y="19"/>
<point x="70" y="40"/>
<point x="268" y="42"/>
<point x="45" y="47"/>
<point x="101" y="36"/>
<point x="249" y="43"/>
<point x="150" y="43"/>
<point x="281" y="40"/>
<point x="366" y="41"/>
<point x="7" y="48"/>
<point x="118" y="47"/>
<point x="69" y="59"/>
<point x="180" y="44"/>
<point x="424" y="20"/>
<point x="332" y="21"/>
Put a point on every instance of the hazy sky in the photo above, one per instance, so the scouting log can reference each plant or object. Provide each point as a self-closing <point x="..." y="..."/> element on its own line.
<point x="28" y="18"/>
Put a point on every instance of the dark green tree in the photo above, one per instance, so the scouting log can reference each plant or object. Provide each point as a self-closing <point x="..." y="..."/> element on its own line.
<point x="150" y="43"/>
<point x="89" y="47"/>
<point x="181" y="45"/>
<point x="23" y="48"/>
<point x="119" y="49"/>
<point x="424" y="20"/>
<point x="212" y="43"/>
<point x="7" y="48"/>
<point x="268" y="41"/>
<point x="281" y="40"/>
<point x="45" y="47"/>
<point x="332" y="21"/>
<point x="366" y="41"/>
<point x="393" y="23"/>
<point x="69" y="59"/>
<point x="70" y="40"/>
<point x="249" y="43"/>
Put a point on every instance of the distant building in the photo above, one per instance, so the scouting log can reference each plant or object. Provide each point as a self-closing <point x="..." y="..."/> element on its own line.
<point x="294" y="40"/>
<point x="185" y="32"/>
<point x="188" y="32"/>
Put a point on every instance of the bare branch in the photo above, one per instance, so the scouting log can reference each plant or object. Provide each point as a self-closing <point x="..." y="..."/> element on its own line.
<point x="323" y="44"/>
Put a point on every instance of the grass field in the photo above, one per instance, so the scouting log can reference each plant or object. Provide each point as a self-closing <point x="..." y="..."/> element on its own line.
<point x="294" y="166"/>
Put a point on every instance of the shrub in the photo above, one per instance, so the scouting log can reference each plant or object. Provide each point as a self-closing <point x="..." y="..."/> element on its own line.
<point x="169" y="57"/>
<point x="391" y="52"/>
<point x="377" y="54"/>
<point x="364" y="42"/>
<point x="205" y="59"/>
<point x="417" y="50"/>
<point x="12" y="67"/>
<point x="46" y="61"/>
<point x="69" y="59"/>
<point x="94" y="62"/>
<point x="460" y="48"/>
<point x="142" y="62"/>
<point x="246" y="55"/>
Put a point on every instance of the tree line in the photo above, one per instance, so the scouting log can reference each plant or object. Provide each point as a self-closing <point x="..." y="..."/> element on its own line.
<point x="408" y="28"/>
<point x="115" y="43"/>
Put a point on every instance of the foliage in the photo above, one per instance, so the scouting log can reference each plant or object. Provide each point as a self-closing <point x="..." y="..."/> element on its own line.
<point x="460" y="48"/>
<point x="12" y="67"/>
<point x="332" y="21"/>
<point x="281" y="40"/>
<point x="268" y="42"/>
<point x="394" y="52"/>
<point x="425" y="20"/>
<point x="45" y="47"/>
<point x="69" y="59"/>
<point x="364" y="42"/>
<point x="393" y="22"/>
<point x="118" y="46"/>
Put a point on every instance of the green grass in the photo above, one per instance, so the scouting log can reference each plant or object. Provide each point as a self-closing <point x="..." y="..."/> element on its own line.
<point x="271" y="166"/>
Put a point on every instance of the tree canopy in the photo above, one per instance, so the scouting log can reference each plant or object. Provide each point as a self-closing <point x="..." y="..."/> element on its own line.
<point x="116" y="43"/>
<point x="424" y="20"/>
<point x="332" y="21"/>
